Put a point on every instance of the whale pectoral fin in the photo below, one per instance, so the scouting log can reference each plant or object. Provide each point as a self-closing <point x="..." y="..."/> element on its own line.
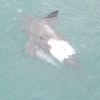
<point x="30" y="47"/>
<point x="52" y="16"/>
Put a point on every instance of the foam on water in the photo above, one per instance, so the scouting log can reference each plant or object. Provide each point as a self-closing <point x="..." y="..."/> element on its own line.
<point x="60" y="49"/>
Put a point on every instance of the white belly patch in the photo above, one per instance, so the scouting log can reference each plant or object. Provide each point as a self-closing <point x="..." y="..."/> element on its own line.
<point x="60" y="49"/>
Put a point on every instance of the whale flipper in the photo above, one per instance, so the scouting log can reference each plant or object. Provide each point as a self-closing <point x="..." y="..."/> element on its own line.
<point x="52" y="16"/>
<point x="30" y="47"/>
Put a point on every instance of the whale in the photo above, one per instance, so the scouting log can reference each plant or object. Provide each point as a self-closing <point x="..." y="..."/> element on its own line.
<point x="42" y="35"/>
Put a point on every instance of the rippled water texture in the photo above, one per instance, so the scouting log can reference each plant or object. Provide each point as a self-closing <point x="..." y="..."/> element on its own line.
<point x="28" y="77"/>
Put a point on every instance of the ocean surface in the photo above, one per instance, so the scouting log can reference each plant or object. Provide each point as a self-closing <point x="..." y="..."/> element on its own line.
<point x="30" y="78"/>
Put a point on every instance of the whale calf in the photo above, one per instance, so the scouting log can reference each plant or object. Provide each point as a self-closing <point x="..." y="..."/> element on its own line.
<point x="42" y="35"/>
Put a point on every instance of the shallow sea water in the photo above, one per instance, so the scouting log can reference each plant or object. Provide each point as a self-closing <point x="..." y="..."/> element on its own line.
<point x="29" y="78"/>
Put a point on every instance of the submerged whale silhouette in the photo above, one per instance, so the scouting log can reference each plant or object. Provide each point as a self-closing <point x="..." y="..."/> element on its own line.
<point x="42" y="35"/>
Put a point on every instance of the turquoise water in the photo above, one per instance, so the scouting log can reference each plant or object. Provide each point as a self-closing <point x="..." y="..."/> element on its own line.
<point x="28" y="78"/>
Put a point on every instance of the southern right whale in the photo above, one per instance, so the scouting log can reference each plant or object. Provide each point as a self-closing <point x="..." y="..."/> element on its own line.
<point x="42" y="35"/>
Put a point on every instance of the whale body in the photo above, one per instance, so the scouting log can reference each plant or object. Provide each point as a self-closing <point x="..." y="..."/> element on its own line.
<point x="42" y="35"/>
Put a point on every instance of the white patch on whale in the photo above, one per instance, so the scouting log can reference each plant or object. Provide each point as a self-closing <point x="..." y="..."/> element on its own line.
<point x="60" y="49"/>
